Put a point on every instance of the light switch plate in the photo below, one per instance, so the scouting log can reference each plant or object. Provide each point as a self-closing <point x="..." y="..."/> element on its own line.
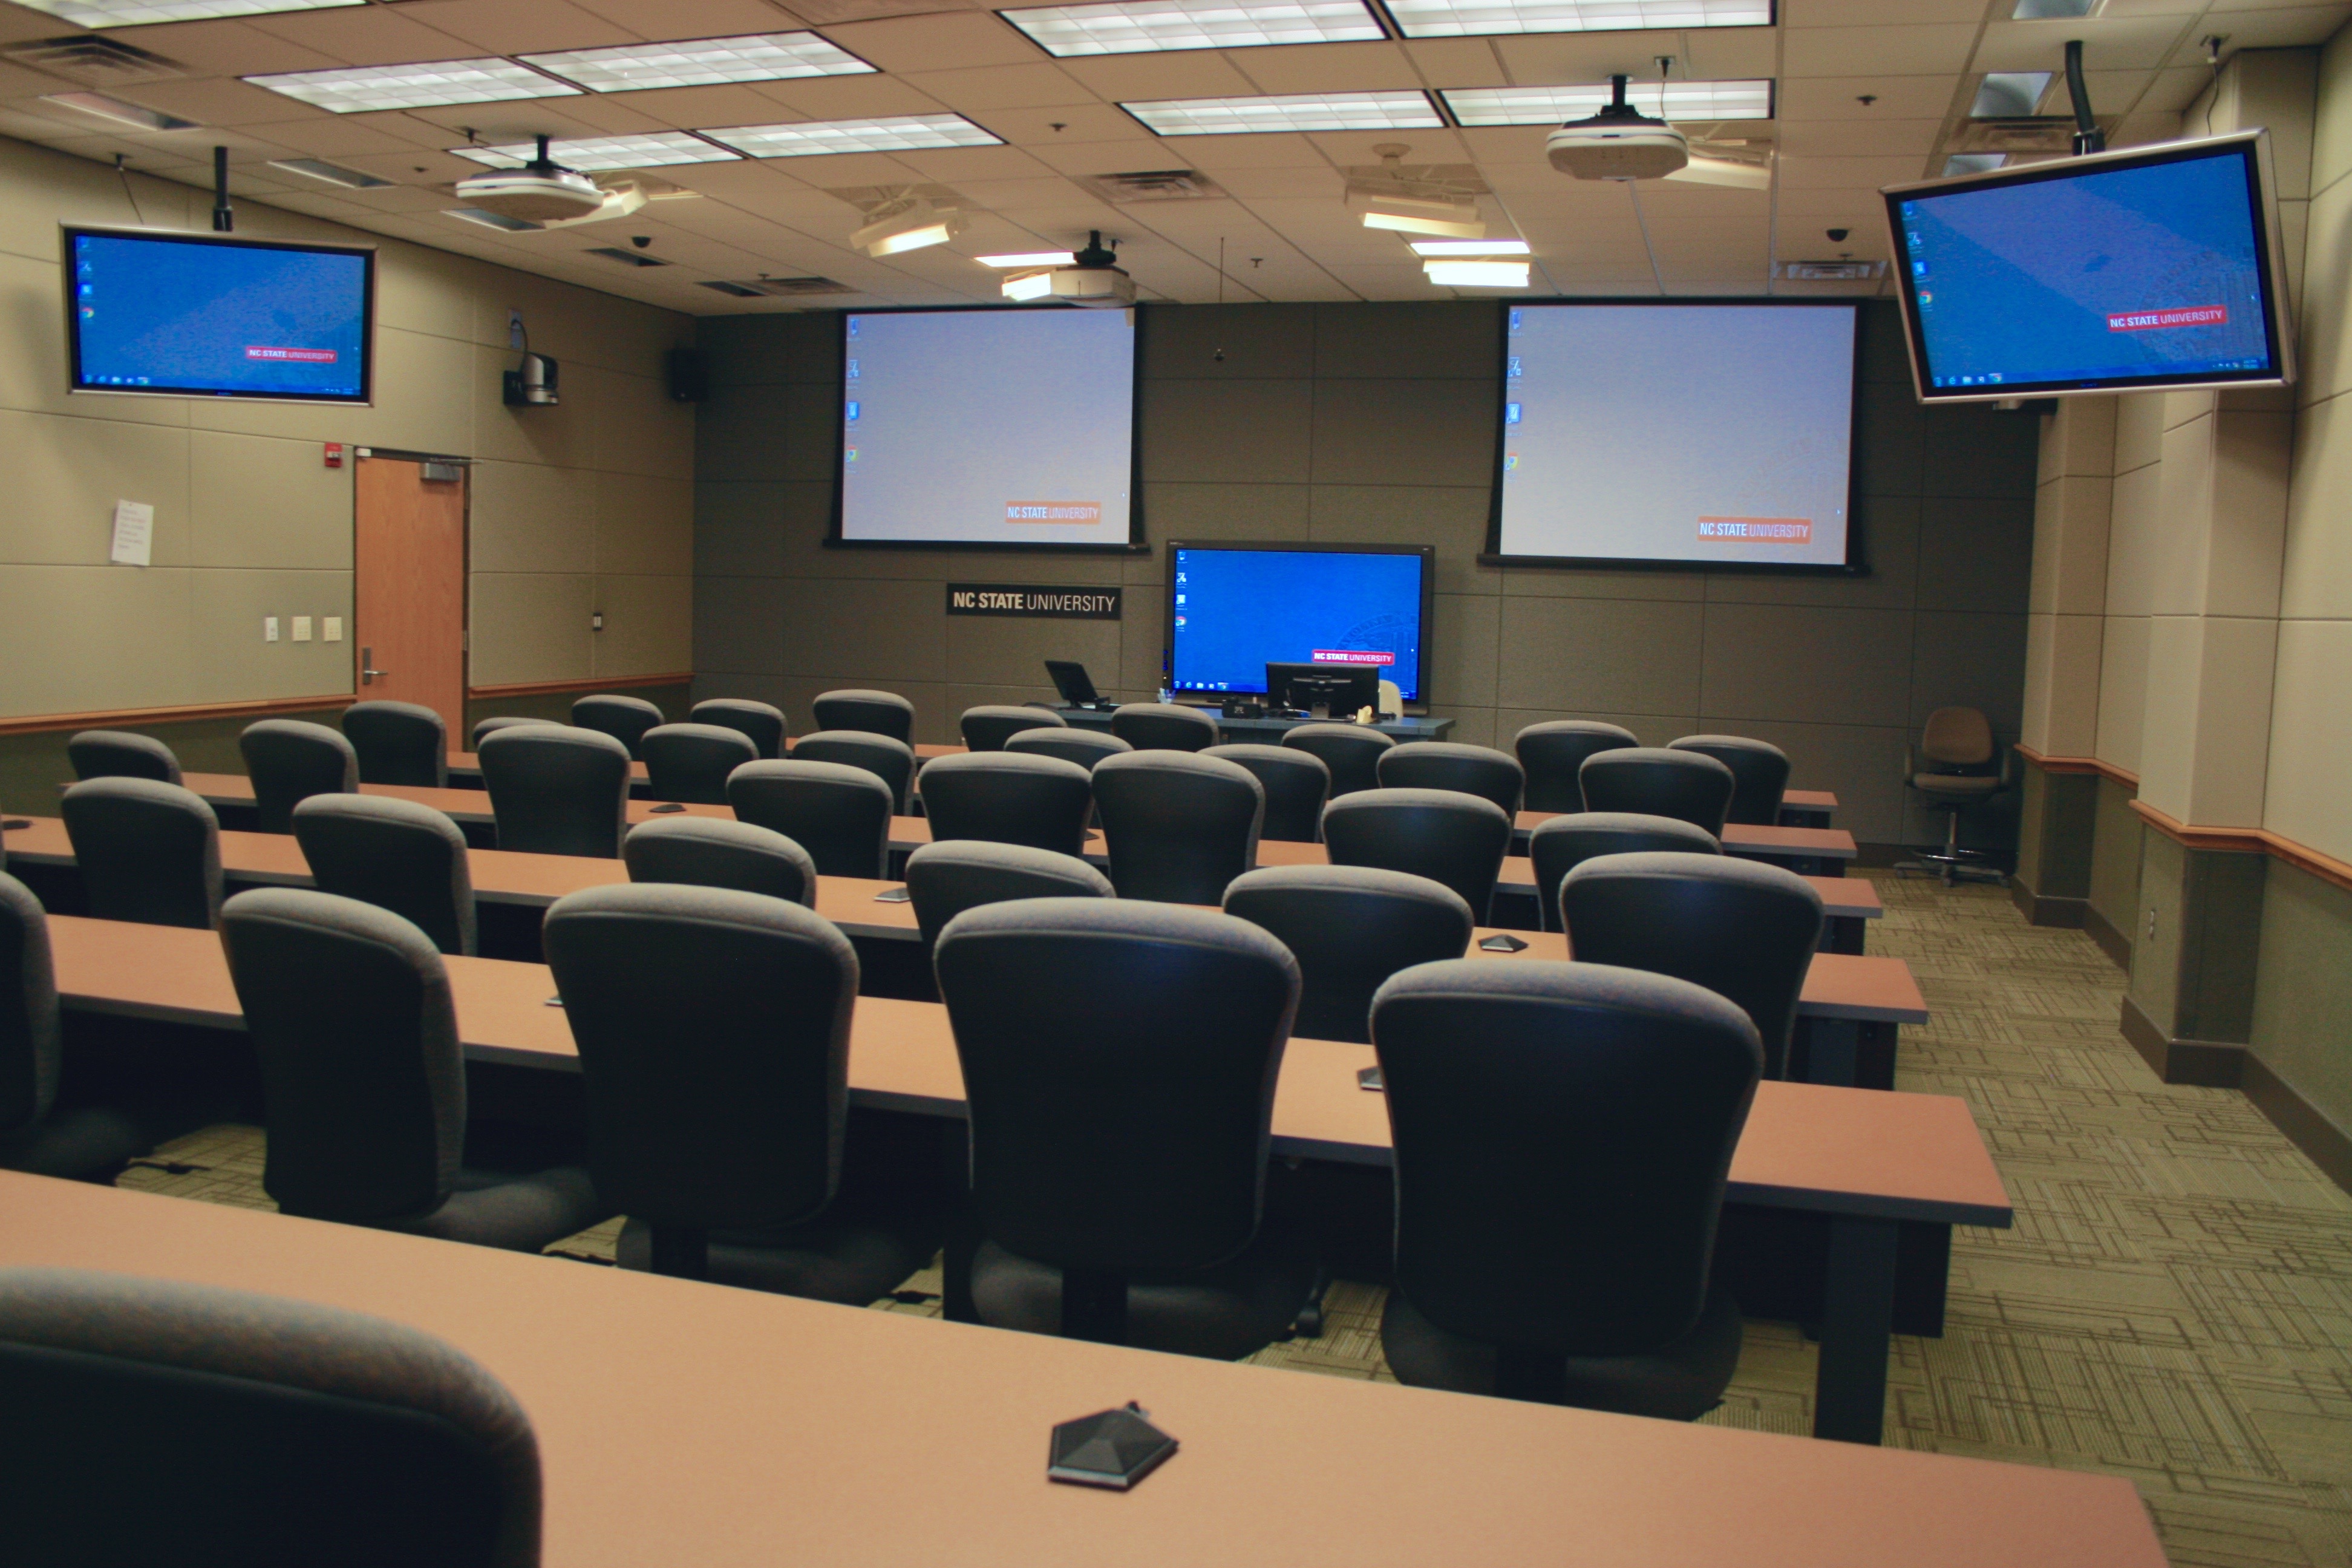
<point x="269" y="628"/>
<point x="330" y="628"/>
<point x="301" y="628"/>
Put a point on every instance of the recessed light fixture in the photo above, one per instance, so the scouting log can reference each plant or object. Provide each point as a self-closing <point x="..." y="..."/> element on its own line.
<point x="1973" y="163"/>
<point x="138" y="13"/>
<point x="1470" y="248"/>
<point x="1477" y="274"/>
<point x="118" y="110"/>
<point x="1028" y="286"/>
<point x="1668" y="101"/>
<point x="1138" y="26"/>
<point x="498" y="221"/>
<point x="1460" y="18"/>
<point x="2056" y="10"/>
<point x="332" y="174"/>
<point x="626" y="257"/>
<point x="428" y="85"/>
<point x="911" y="224"/>
<point x="813" y="138"/>
<point x="601" y="154"/>
<point x="1030" y="259"/>
<point x="1396" y="110"/>
<point x="2009" y="95"/>
<point x="700" y="62"/>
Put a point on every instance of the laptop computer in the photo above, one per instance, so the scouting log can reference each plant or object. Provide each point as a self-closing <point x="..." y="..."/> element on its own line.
<point x="1076" y="686"/>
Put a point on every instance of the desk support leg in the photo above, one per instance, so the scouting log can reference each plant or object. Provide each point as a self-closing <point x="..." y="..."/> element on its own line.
<point x="1844" y="933"/>
<point x="1834" y="1047"/>
<point x="1850" y="1383"/>
<point x="962" y="1239"/>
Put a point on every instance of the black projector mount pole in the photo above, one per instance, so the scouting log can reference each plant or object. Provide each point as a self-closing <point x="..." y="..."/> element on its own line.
<point x="223" y="220"/>
<point x="2088" y="137"/>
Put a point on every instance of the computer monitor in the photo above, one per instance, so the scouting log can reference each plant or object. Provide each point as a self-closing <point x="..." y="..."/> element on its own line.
<point x="1338" y="689"/>
<point x="1071" y="679"/>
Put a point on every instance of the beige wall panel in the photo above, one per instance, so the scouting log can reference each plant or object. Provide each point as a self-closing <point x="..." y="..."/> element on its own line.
<point x="1975" y="556"/>
<point x="255" y="501"/>
<point x="862" y="633"/>
<point x="1892" y="529"/>
<point x="531" y="626"/>
<point x="1209" y="511"/>
<point x="40" y="189"/>
<point x="429" y="293"/>
<point x="81" y="639"/>
<point x="2326" y="365"/>
<point x="32" y="371"/>
<point x="1863" y="764"/>
<point x="2331" y="132"/>
<point x="1452" y="517"/>
<point x="1012" y="650"/>
<point x="2180" y="543"/>
<point x="645" y="526"/>
<point x="1404" y="432"/>
<point x="2070" y="545"/>
<point x="1651" y="729"/>
<point x="563" y="436"/>
<point x="2080" y="438"/>
<point x="1620" y="655"/>
<point x="2140" y="429"/>
<point x="1468" y="649"/>
<point x="2317" y="578"/>
<point x="2303" y="988"/>
<point x="1546" y="582"/>
<point x="1239" y="432"/>
<point x="576" y="325"/>
<point x="2276" y="89"/>
<point x="527" y="517"/>
<point x="228" y="659"/>
<point x="2311" y="737"/>
<point x="739" y="625"/>
<point x="2252" y="461"/>
<point x="638" y="427"/>
<point x="2041" y="646"/>
<point x="64" y="476"/>
<point x="648" y="625"/>
<point x="739" y="529"/>
<point x="1807" y="666"/>
<point x="2123" y="689"/>
<point x="420" y="404"/>
<point x="2204" y="743"/>
<point x="2070" y="712"/>
<point x="2134" y="528"/>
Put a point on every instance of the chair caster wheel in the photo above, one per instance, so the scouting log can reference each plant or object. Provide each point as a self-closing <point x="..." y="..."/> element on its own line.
<point x="1308" y="1324"/>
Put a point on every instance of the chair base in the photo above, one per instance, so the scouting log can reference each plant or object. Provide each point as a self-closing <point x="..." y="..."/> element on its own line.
<point x="852" y="1261"/>
<point x="1678" y="1382"/>
<point x="1223" y="1313"/>
<point x="1948" y="862"/>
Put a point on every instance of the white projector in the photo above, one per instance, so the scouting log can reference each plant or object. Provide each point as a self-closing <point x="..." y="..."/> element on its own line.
<point x="1094" y="278"/>
<point x="542" y="191"/>
<point x="1620" y="143"/>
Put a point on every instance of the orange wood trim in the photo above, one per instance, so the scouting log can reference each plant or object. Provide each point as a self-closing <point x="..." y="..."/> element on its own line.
<point x="40" y="723"/>
<point x="2050" y="765"/>
<point x="586" y="683"/>
<point x="2249" y="841"/>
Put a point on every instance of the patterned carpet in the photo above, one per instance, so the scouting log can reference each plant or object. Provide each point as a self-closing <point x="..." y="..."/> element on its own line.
<point x="2174" y="1304"/>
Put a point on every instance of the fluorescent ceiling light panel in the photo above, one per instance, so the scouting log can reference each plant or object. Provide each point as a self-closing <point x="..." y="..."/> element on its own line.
<point x="1552" y="105"/>
<point x="1399" y="110"/>
<point x="700" y="62"/>
<point x="1459" y="18"/>
<point x="492" y="220"/>
<point x="121" y="113"/>
<point x="1973" y="163"/>
<point x="600" y="154"/>
<point x="332" y="174"/>
<point x="1033" y="285"/>
<point x="812" y="137"/>
<point x="1140" y="26"/>
<point x="2053" y="10"/>
<point x="1030" y="259"/>
<point x="1470" y="248"/>
<point x="138" y="13"/>
<point x="2009" y="95"/>
<point x="1477" y="274"/>
<point x="429" y="85"/>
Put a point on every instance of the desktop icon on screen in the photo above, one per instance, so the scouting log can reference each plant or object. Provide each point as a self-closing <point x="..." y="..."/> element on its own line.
<point x="853" y="412"/>
<point x="1510" y="414"/>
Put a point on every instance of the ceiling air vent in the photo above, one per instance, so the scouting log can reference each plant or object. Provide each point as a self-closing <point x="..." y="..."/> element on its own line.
<point x="750" y="288"/>
<point x="1843" y="271"/>
<point x="1153" y="186"/>
<point x="632" y="257"/>
<point x="94" y="58"/>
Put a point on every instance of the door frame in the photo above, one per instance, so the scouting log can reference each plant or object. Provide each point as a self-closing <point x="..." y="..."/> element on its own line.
<point x="465" y="566"/>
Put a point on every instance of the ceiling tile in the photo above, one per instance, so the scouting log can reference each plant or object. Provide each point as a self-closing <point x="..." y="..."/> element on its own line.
<point x="1839" y="97"/>
<point x="1857" y="51"/>
<point x="1458" y="62"/>
<point x="1035" y="86"/>
<point x="2109" y="43"/>
<point x="228" y="48"/>
<point x="1255" y="186"/>
<point x="1728" y="54"/>
<point x="976" y="162"/>
<point x="1856" y="138"/>
<point x="848" y="98"/>
<point x="936" y="43"/>
<point x="1145" y="79"/>
<point x="684" y="107"/>
<point x="1326" y="67"/>
<point x="364" y="35"/>
<point x="1858" y="13"/>
<point x="669" y="19"/>
<point x="1551" y="60"/>
<point x="1346" y="147"/>
<point x="1802" y="173"/>
<point x="329" y="136"/>
<point x="1077" y="122"/>
<point x="520" y="27"/>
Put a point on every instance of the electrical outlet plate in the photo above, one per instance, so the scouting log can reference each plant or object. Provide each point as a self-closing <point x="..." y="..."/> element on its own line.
<point x="269" y="628"/>
<point x="301" y="628"/>
<point x="330" y="628"/>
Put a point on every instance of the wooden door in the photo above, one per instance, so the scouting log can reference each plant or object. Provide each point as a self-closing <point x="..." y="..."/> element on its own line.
<point x="408" y="599"/>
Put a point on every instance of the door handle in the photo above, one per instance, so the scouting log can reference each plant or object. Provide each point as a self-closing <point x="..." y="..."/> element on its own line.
<point x="368" y="675"/>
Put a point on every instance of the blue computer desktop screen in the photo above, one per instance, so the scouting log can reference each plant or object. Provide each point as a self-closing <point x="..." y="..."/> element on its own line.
<point x="2153" y="272"/>
<point x="1236" y="611"/>
<point x="161" y="315"/>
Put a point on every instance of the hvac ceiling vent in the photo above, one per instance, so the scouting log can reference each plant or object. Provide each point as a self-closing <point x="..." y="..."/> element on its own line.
<point x="632" y="257"/>
<point x="779" y="287"/>
<point x="2030" y="133"/>
<point x="94" y="58"/>
<point x="1153" y="186"/>
<point x="1844" y="271"/>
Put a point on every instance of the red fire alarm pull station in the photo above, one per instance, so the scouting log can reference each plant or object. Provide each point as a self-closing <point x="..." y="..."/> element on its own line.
<point x="334" y="454"/>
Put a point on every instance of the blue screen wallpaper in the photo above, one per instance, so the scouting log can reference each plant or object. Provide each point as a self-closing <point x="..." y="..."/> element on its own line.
<point x="1238" y="610"/>
<point x="153" y="314"/>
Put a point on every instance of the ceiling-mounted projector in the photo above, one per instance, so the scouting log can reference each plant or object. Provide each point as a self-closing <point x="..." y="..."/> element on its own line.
<point x="1620" y="143"/>
<point x="542" y="191"/>
<point x="1093" y="277"/>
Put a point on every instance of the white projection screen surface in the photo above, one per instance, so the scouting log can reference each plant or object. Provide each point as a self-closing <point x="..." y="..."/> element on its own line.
<point x="1716" y="435"/>
<point x="989" y="427"/>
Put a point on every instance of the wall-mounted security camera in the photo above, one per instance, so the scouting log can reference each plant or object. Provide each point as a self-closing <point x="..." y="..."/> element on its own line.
<point x="1837" y="236"/>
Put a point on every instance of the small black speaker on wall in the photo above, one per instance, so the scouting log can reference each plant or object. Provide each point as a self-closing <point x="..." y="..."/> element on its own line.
<point x="688" y="381"/>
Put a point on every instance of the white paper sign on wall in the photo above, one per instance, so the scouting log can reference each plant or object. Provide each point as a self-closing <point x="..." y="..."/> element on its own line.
<point x="134" y="533"/>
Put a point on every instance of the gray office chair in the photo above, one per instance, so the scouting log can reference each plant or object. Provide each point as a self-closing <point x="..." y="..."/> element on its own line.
<point x="1563" y="844"/>
<point x="1759" y="773"/>
<point x="624" y="718"/>
<point x="290" y="761"/>
<point x="840" y="815"/>
<point x="507" y="722"/>
<point x="1481" y="771"/>
<point x="1563" y="1132"/>
<point x="364" y="1083"/>
<point x="398" y="743"/>
<point x="713" y="1028"/>
<point x="1120" y="1059"/>
<point x="148" y="852"/>
<point x="945" y="879"/>
<point x="1553" y="751"/>
<point x="1352" y="752"/>
<point x="1350" y="927"/>
<point x="764" y="721"/>
<point x="119" y="755"/>
<point x="710" y="852"/>
<point x="1450" y="837"/>
<point x="690" y="763"/>
<point x="1068" y="742"/>
<point x="155" y="1421"/>
<point x="1165" y="727"/>
<point x="1178" y="827"/>
<point x="1654" y="781"/>
<point x="555" y="790"/>
<point x="1742" y="929"/>
<point x="1955" y="769"/>
<point x="892" y="762"/>
<point x="76" y="1143"/>
<point x="1009" y="797"/>
<point x="1296" y="783"/>
<point x="394" y="854"/>
<point x="882" y="712"/>
<point x="987" y="728"/>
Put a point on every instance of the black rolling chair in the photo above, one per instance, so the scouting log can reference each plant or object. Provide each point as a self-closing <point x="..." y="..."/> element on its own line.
<point x="364" y="1083"/>
<point x="153" y="1421"/>
<point x="882" y="712"/>
<point x="892" y="762"/>
<point x="290" y="761"/>
<point x="1009" y="797"/>
<point x="1759" y="773"/>
<point x="1178" y="827"/>
<point x="945" y="879"/>
<point x="398" y="743"/>
<point x="148" y="852"/>
<point x="556" y="790"/>
<point x="713" y="1028"/>
<point x="710" y="852"/>
<point x="1655" y="781"/>
<point x="1743" y="930"/>
<point x="762" y="722"/>
<point x="1350" y="927"/>
<point x="1563" y="844"/>
<point x="1069" y="742"/>
<point x="1481" y="771"/>
<point x="1165" y="727"/>
<point x="1352" y="752"/>
<point x="119" y="755"/>
<point x="78" y="1143"/>
<point x="1450" y="837"/>
<point x="625" y="719"/>
<point x="690" y="761"/>
<point x="989" y="726"/>
<point x="840" y="815"/>
<point x="1562" y="1135"/>
<point x="1119" y="1060"/>
<point x="1958" y="767"/>
<point x="1553" y="751"/>
<point x="496" y="721"/>
<point x="1295" y="784"/>
<point x="394" y="854"/>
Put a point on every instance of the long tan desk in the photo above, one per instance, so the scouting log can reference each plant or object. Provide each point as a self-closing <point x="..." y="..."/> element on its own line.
<point x="1871" y="1162"/>
<point x="752" y="1428"/>
<point x="1813" y="851"/>
<point x="466" y="768"/>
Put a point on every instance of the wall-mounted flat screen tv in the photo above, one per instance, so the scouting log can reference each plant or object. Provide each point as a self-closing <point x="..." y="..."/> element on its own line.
<point x="1233" y="610"/>
<point x="210" y="315"/>
<point x="2150" y="268"/>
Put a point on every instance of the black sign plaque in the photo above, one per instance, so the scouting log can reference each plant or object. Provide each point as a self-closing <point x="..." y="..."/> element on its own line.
<point x="1044" y="603"/>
